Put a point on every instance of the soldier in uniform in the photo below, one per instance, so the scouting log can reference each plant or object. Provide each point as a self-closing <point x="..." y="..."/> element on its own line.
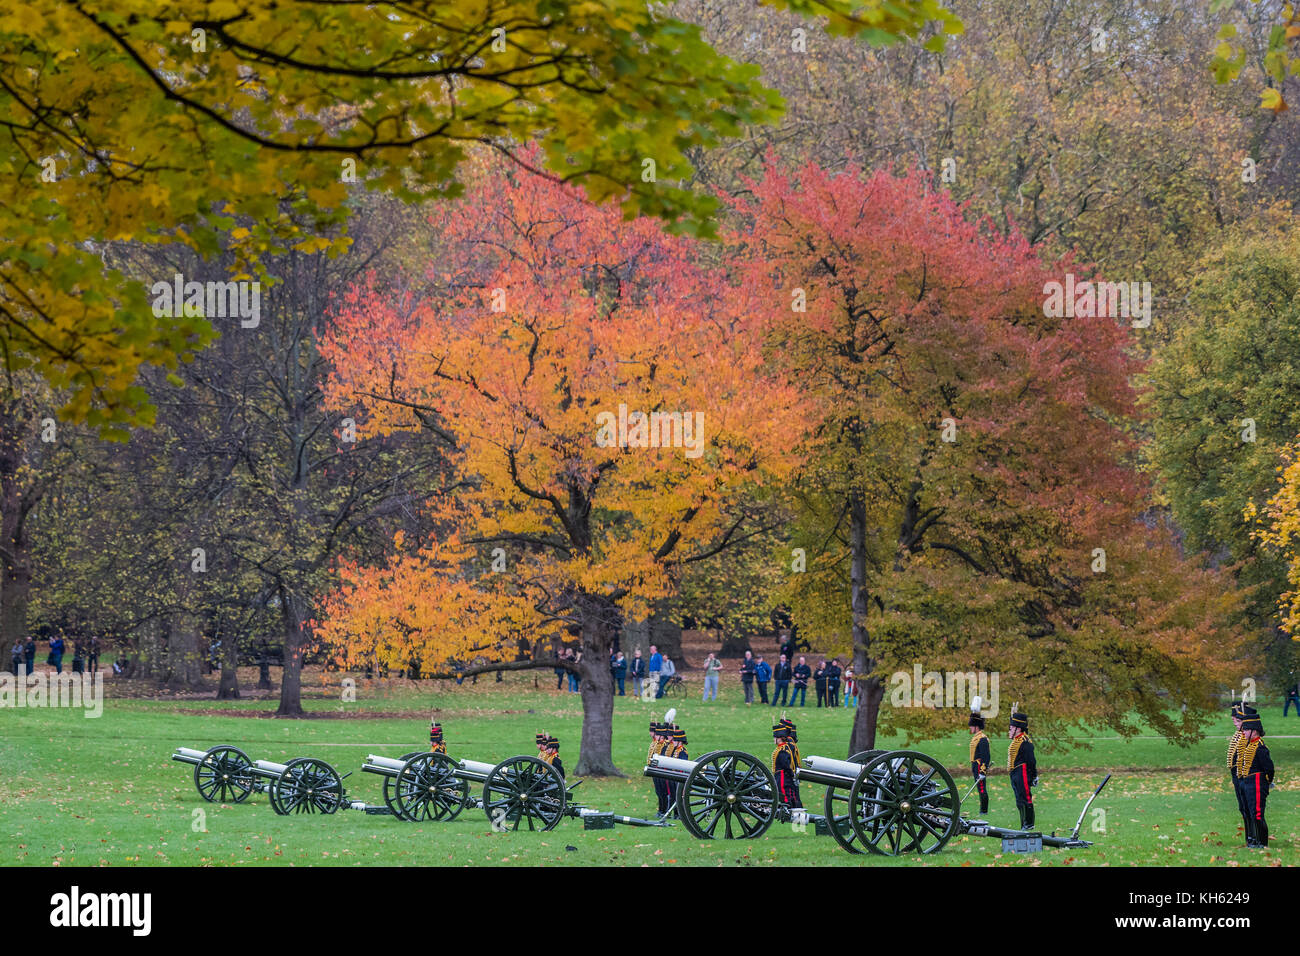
<point x="676" y="748"/>
<point x="551" y="754"/>
<point x="657" y="744"/>
<point x="1238" y="713"/>
<point x="436" y="744"/>
<point x="541" y="744"/>
<point x="980" y="756"/>
<point x="784" y="762"/>
<point x="1255" y="775"/>
<point x="1022" y="767"/>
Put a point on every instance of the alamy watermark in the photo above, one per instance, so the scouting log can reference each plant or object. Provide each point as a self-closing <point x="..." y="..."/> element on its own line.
<point x="212" y="300"/>
<point x="944" y="689"/>
<point x="1086" y="300"/>
<point x="44" y="689"/>
<point x="653" y="430"/>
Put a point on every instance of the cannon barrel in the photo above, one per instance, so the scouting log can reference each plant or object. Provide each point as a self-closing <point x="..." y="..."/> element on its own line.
<point x="186" y="755"/>
<point x="384" y="766"/>
<point x="267" y="768"/>
<point x="474" y="770"/>
<point x="828" y="771"/>
<point x="669" y="768"/>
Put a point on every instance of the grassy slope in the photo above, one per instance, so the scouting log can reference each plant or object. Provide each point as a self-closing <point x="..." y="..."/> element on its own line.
<point x="78" y="791"/>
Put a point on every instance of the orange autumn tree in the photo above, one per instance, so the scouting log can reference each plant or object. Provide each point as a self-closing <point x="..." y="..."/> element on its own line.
<point x="968" y="499"/>
<point x="606" y="414"/>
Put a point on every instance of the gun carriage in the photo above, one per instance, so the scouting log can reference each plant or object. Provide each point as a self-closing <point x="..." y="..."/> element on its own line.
<point x="895" y="802"/>
<point x="303" y="785"/>
<point x="725" y="787"/>
<point x="891" y="802"/>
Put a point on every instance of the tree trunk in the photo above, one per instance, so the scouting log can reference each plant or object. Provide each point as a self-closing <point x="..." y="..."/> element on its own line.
<point x="868" y="709"/>
<point x="228" y="687"/>
<point x="291" y="673"/>
<point x="184" y="669"/>
<point x="151" y="651"/>
<point x="596" y="755"/>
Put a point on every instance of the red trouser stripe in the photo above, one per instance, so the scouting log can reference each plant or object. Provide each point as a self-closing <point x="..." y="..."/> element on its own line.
<point x="1024" y="776"/>
<point x="1259" y="807"/>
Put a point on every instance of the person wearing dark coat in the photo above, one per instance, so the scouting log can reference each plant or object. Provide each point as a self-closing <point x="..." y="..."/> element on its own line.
<point x="1021" y="767"/>
<point x="980" y="756"/>
<point x="820" y="676"/>
<point x="1254" y="772"/>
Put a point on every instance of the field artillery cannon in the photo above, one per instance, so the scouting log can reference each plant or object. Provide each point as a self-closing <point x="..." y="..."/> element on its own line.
<point x="303" y="785"/>
<point x="729" y="787"/>
<point x="520" y="791"/>
<point x="890" y="802"/>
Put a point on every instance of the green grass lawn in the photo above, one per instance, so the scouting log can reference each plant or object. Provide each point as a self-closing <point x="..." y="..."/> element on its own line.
<point x="75" y="791"/>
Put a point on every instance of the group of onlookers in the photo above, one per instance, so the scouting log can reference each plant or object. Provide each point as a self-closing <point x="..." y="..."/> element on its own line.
<point x="791" y="681"/>
<point x="85" y="655"/>
<point x="835" y="685"/>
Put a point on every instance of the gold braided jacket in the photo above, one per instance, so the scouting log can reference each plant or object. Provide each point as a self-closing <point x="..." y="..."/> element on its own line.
<point x="1233" y="742"/>
<point x="1246" y="756"/>
<point x="975" y="742"/>
<point x="1013" y="750"/>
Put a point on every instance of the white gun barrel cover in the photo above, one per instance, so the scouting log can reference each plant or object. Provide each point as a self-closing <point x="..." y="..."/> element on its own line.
<point x="672" y="763"/>
<point x="268" y="766"/>
<point x="387" y="762"/>
<point x="839" y="768"/>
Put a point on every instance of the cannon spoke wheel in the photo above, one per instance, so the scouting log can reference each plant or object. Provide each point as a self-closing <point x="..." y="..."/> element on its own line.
<point x="223" y="775"/>
<point x="731" y="788"/>
<point x="427" y="788"/>
<point x="307" y="785"/>
<point x="904" y="802"/>
<point x="524" y="792"/>
<point x="836" y="807"/>
<point x="390" y="788"/>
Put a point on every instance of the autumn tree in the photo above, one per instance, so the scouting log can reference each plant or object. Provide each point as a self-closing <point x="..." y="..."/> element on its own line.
<point x="968" y="494"/>
<point x="176" y="122"/>
<point x="605" y="409"/>
<point x="1222" y="409"/>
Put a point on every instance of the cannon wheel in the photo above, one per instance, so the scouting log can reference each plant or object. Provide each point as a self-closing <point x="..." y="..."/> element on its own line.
<point x="524" y="790"/>
<point x="223" y="775"/>
<point x="729" y="787"/>
<point x="836" y="807"/>
<point x="390" y="789"/>
<point x="427" y="788"/>
<point x="307" y="785"/>
<point x="904" y="802"/>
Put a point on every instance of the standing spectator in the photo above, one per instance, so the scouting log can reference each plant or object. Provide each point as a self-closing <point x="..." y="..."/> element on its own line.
<point x="619" y="667"/>
<point x="638" y="672"/>
<point x="574" y="677"/>
<point x="29" y="653"/>
<point x="559" y="671"/>
<point x="1292" y="697"/>
<point x="17" y="657"/>
<point x="801" y="674"/>
<point x="850" y="687"/>
<point x="762" y="674"/>
<point x="819" y="677"/>
<point x="747" y="676"/>
<point x="669" y="669"/>
<point x="55" y="659"/>
<point x="782" y="676"/>
<point x="78" y="657"/>
<point x="712" y="668"/>
<point x="656" y="665"/>
<point x="833" y="683"/>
